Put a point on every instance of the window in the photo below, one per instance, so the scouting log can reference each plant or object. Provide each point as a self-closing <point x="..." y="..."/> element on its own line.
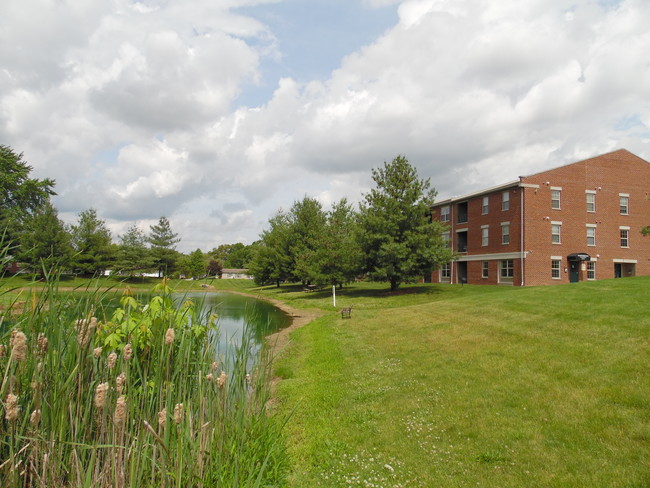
<point x="625" y="236"/>
<point x="556" y="229"/>
<point x="486" y="205"/>
<point x="445" y="237"/>
<point x="555" y="269"/>
<point x="445" y="272"/>
<point x="555" y="198"/>
<point x="624" y="203"/>
<point x="505" y="232"/>
<point x="506" y="271"/>
<point x="484" y="235"/>
<point x="444" y="214"/>
<point x="591" y="270"/>
<point x="505" y="200"/>
<point x="486" y="269"/>
<point x="591" y="201"/>
<point x="591" y="235"/>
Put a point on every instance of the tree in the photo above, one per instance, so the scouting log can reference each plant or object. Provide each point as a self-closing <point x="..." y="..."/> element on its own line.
<point x="396" y="234"/>
<point x="271" y="258"/>
<point x="339" y="256"/>
<point x="196" y="264"/>
<point x="91" y="241"/>
<point x="20" y="195"/>
<point x="45" y="242"/>
<point x="214" y="268"/>
<point x="307" y="223"/>
<point x="163" y="246"/>
<point x="133" y="254"/>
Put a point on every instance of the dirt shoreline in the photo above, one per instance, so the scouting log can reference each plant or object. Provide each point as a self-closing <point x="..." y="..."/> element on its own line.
<point x="279" y="340"/>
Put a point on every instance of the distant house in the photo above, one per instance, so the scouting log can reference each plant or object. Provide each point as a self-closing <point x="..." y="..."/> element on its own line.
<point x="235" y="274"/>
<point x="576" y="222"/>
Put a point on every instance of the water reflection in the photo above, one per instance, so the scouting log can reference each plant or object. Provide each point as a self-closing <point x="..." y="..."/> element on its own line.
<point x="235" y="311"/>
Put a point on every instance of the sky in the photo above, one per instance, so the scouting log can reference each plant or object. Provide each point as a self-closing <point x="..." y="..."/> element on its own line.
<point x="218" y="113"/>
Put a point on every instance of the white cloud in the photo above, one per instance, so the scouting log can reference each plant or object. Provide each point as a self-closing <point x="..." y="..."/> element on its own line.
<point x="131" y="106"/>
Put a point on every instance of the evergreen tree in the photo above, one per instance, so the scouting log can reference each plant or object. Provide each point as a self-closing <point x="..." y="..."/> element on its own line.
<point x="396" y="235"/>
<point x="307" y="223"/>
<point x="133" y="254"/>
<point x="196" y="264"/>
<point x="91" y="240"/>
<point x="163" y="242"/>
<point x="45" y="243"/>
<point x="272" y="261"/>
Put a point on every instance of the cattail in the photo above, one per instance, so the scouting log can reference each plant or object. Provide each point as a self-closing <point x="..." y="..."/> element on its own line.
<point x="11" y="407"/>
<point x="162" y="418"/>
<point x="39" y="367"/>
<point x="3" y="350"/>
<point x="169" y="336"/>
<point x="112" y="358"/>
<point x="209" y="377"/>
<point x="128" y="352"/>
<point x="35" y="417"/>
<point x="215" y="365"/>
<point x="19" y="346"/>
<point x="120" y="381"/>
<point x="12" y="338"/>
<point x="42" y="345"/>
<point x="100" y="395"/>
<point x="221" y="381"/>
<point x="120" y="410"/>
<point x="85" y="329"/>
<point x="178" y="413"/>
<point x="97" y="352"/>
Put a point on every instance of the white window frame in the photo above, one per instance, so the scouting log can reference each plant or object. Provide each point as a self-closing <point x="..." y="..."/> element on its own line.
<point x="485" y="235"/>
<point x="556" y="197"/>
<point x="485" y="205"/>
<point x="624" y="230"/>
<point x="556" y="268"/>
<point x="445" y="273"/>
<point x="507" y="266"/>
<point x="556" y="237"/>
<point x="505" y="200"/>
<point x="591" y="205"/>
<point x="624" y="208"/>
<point x="591" y="273"/>
<point x="505" y="233"/>
<point x="444" y="213"/>
<point x="591" y="235"/>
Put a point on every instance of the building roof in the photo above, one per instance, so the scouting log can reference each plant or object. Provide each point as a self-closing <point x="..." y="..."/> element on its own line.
<point x="618" y="154"/>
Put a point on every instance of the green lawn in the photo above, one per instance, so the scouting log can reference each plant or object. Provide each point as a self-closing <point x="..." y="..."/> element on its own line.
<point x="442" y="385"/>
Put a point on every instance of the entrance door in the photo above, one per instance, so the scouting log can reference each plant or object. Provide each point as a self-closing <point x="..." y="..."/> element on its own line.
<point x="462" y="272"/>
<point x="618" y="272"/>
<point x="574" y="271"/>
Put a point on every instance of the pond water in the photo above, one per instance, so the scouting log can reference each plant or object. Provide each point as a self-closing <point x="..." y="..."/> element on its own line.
<point x="236" y="311"/>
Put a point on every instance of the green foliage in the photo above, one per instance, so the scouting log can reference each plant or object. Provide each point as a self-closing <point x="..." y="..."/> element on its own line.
<point x="236" y="256"/>
<point x="306" y="226"/>
<point x="196" y="264"/>
<point x="91" y="241"/>
<point x="163" y="246"/>
<point x="272" y="260"/>
<point x="398" y="239"/>
<point x="44" y="241"/>
<point x="20" y="195"/>
<point x="132" y="254"/>
<point x="81" y="407"/>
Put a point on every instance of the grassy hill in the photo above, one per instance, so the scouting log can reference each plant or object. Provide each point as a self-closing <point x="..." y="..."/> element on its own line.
<point x="442" y="385"/>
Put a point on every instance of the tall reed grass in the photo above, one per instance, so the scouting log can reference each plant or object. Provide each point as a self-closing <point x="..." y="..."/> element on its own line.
<point x="91" y="399"/>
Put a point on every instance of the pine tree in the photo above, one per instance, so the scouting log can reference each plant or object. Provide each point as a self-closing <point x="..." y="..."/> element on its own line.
<point x="162" y="241"/>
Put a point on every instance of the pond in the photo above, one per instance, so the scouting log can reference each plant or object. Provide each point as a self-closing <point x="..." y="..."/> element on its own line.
<point x="235" y="311"/>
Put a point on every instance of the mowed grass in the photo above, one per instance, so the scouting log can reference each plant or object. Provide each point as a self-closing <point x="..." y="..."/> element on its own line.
<point x="442" y="385"/>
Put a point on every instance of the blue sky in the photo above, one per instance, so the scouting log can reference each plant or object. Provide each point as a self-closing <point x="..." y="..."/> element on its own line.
<point x="218" y="114"/>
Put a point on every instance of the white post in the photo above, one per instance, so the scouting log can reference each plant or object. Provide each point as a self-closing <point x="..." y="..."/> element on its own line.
<point x="334" y="294"/>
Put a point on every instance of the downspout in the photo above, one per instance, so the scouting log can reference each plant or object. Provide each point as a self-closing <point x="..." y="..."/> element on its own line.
<point x="521" y="234"/>
<point x="453" y="242"/>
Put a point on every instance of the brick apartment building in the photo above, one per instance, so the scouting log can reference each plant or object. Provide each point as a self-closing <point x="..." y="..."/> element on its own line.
<point x="573" y="223"/>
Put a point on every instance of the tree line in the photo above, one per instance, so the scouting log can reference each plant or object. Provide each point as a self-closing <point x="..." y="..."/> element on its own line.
<point x="390" y="236"/>
<point x="40" y="241"/>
